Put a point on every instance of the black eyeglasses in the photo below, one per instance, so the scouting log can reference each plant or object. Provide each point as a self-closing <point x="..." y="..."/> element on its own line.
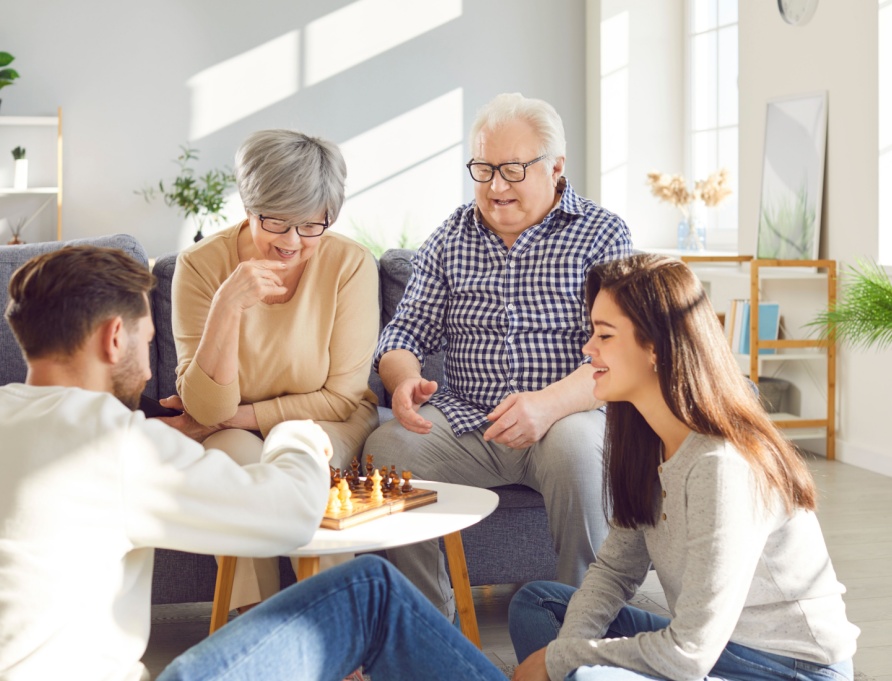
<point x="510" y="172"/>
<point x="279" y="226"/>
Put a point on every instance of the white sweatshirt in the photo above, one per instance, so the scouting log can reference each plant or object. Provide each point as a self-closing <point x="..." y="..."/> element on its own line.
<point x="88" y="488"/>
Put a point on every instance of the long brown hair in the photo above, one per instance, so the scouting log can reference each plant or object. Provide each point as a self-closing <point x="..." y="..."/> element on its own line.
<point x="700" y="382"/>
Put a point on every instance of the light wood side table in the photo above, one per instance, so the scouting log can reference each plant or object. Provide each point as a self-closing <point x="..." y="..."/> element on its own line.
<point x="457" y="507"/>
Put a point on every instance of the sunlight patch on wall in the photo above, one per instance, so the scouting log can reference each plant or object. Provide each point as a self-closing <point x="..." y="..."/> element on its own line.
<point x="615" y="112"/>
<point x="406" y="174"/>
<point x="403" y="141"/>
<point x="406" y="208"/>
<point x="366" y="28"/>
<point x="243" y="85"/>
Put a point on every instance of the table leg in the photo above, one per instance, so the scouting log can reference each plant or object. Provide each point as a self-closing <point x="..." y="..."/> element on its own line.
<point x="222" y="592"/>
<point x="461" y="585"/>
<point x="307" y="567"/>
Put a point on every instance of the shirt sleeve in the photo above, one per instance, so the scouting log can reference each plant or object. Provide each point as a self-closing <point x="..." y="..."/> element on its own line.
<point x="417" y="324"/>
<point x="207" y="401"/>
<point x="614" y="240"/>
<point x="726" y="536"/>
<point x="351" y="346"/>
<point x="177" y="496"/>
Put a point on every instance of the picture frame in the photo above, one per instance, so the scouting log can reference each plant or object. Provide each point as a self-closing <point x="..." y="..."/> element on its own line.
<point x="792" y="177"/>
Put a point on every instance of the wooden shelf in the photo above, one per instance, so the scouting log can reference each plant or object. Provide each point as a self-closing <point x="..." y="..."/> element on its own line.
<point x="40" y="121"/>
<point x="789" y="349"/>
<point x="29" y="120"/>
<point x="9" y="191"/>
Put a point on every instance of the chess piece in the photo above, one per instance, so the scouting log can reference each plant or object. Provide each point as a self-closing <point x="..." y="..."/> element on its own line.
<point x="369" y="467"/>
<point x="394" y="482"/>
<point x="407" y="486"/>
<point x="344" y="495"/>
<point x="354" y="468"/>
<point x="376" y="497"/>
<point x="334" y="503"/>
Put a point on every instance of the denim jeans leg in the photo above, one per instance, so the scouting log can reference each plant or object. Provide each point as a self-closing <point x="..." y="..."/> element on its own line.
<point x="360" y="613"/>
<point x="748" y="664"/>
<point x="536" y="614"/>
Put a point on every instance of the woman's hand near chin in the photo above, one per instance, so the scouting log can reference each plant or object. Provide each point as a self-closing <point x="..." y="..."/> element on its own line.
<point x="252" y="282"/>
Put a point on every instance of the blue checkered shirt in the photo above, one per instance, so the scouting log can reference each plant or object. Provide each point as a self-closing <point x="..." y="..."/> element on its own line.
<point x="509" y="320"/>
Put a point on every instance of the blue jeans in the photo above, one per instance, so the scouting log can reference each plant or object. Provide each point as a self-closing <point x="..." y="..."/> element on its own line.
<point x="361" y="613"/>
<point x="537" y="613"/>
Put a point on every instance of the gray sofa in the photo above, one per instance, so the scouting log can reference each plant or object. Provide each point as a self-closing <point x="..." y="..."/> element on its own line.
<point x="512" y="545"/>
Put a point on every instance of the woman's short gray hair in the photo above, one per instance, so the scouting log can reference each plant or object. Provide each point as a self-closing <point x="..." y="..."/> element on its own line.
<point x="289" y="174"/>
<point x="538" y="113"/>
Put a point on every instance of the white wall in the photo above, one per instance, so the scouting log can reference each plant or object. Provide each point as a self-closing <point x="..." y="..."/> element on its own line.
<point x="639" y="109"/>
<point x="838" y="52"/>
<point x="395" y="82"/>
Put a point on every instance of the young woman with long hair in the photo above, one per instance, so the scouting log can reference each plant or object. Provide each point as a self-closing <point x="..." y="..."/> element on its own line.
<point x="705" y="488"/>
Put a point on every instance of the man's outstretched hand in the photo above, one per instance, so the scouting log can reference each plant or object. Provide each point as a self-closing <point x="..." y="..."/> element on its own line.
<point x="407" y="398"/>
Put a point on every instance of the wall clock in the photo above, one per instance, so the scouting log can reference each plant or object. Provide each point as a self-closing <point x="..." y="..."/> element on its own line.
<point x="797" y="12"/>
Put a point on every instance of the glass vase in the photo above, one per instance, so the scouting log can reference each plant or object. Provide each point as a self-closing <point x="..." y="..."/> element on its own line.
<point x="691" y="235"/>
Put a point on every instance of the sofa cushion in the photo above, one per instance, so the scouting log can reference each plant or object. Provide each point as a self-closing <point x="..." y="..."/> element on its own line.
<point x="165" y="377"/>
<point x="12" y="364"/>
<point x="395" y="268"/>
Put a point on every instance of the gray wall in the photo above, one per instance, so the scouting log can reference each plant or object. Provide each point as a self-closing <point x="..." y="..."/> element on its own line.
<point x="121" y="72"/>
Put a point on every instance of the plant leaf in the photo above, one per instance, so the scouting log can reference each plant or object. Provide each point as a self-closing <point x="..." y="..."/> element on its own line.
<point x="6" y="58"/>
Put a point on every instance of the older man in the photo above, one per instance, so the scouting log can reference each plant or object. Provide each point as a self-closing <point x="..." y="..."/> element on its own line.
<point x="88" y="487"/>
<point x="499" y="286"/>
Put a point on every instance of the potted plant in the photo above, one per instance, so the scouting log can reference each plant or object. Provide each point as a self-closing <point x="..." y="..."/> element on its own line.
<point x="862" y="316"/>
<point x="193" y="195"/>
<point x="20" y="176"/>
<point x="7" y="76"/>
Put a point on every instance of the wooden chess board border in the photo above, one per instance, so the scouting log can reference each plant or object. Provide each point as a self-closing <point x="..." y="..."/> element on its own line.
<point x="365" y="510"/>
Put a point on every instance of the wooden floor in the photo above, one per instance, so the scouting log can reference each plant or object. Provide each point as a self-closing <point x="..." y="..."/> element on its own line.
<point x="856" y="516"/>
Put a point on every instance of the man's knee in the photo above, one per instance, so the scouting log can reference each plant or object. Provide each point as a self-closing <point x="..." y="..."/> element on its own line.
<point x="576" y="440"/>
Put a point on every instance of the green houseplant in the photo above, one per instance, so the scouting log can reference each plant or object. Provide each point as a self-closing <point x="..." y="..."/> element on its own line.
<point x="198" y="196"/>
<point x="7" y="75"/>
<point x="862" y="316"/>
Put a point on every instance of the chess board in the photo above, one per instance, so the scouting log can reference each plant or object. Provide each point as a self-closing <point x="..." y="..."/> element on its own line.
<point x="364" y="509"/>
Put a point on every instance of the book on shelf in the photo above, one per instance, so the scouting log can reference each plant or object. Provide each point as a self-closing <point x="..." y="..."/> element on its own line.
<point x="769" y="326"/>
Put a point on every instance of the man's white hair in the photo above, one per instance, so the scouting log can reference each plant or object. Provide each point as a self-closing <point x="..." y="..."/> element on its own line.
<point x="538" y="113"/>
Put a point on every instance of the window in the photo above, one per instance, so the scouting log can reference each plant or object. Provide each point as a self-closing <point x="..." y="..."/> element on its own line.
<point x="712" y="118"/>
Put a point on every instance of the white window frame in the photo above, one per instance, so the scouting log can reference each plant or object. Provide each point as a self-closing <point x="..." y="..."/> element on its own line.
<point x="722" y="222"/>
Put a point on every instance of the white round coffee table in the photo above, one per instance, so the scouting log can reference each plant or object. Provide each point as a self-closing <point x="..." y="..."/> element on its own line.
<point x="456" y="508"/>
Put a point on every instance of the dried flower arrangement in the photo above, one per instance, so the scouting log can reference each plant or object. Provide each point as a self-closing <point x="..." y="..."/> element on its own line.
<point x="673" y="189"/>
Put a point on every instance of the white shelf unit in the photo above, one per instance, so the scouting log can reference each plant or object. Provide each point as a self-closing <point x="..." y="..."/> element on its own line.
<point x="51" y="191"/>
<point x="787" y="349"/>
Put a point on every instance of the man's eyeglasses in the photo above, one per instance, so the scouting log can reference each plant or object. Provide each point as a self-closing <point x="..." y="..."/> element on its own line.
<point x="279" y="226"/>
<point x="510" y="172"/>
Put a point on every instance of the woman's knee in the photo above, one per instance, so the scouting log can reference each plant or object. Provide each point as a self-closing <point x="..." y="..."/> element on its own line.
<point x="242" y="446"/>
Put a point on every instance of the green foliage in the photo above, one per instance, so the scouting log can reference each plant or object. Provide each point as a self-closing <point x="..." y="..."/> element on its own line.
<point x="786" y="228"/>
<point x="377" y="244"/>
<point x="18" y="153"/>
<point x="202" y="196"/>
<point x="7" y="75"/>
<point x="863" y="314"/>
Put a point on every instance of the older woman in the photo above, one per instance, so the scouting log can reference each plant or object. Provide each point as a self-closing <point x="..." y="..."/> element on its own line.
<point x="276" y="318"/>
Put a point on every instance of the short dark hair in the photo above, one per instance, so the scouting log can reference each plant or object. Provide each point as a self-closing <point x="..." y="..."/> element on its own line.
<point x="57" y="299"/>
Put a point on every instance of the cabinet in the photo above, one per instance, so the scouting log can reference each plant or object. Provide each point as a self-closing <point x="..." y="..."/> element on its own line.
<point x="41" y="136"/>
<point x="819" y="275"/>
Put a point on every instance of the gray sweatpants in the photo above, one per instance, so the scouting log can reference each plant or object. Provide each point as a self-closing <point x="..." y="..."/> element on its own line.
<point x="565" y="467"/>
